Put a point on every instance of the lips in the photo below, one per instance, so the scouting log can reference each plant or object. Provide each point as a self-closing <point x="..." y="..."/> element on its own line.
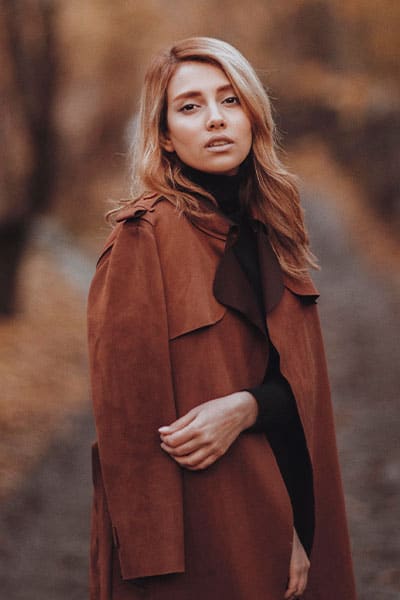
<point x="218" y="140"/>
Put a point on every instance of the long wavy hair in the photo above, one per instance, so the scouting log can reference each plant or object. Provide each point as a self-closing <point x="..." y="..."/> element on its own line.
<point x="269" y="191"/>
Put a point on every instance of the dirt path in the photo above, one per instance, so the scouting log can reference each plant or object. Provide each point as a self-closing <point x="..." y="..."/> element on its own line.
<point x="44" y="529"/>
<point x="360" y="317"/>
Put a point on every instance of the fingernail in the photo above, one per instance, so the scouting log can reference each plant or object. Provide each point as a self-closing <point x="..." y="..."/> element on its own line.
<point x="164" y="428"/>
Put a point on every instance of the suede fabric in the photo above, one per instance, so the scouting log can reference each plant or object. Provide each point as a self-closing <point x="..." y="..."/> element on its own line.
<point x="167" y="300"/>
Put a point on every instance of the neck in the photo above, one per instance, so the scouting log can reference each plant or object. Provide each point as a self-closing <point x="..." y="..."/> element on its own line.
<point x="224" y="188"/>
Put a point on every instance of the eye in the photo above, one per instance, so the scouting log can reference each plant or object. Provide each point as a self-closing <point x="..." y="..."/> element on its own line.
<point x="232" y="100"/>
<point x="187" y="108"/>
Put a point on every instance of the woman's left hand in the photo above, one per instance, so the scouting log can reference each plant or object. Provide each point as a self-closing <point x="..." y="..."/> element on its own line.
<point x="205" y="433"/>
<point x="298" y="570"/>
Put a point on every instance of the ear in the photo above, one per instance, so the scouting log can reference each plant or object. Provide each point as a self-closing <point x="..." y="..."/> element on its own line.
<point x="166" y="143"/>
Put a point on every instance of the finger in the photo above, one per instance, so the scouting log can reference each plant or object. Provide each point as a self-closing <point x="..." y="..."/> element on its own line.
<point x="180" y="437"/>
<point x="290" y="594"/>
<point x="194" y="459"/>
<point x="303" y="578"/>
<point x="182" y="449"/>
<point x="196" y="465"/>
<point x="302" y="584"/>
<point x="292" y="588"/>
<point x="210" y="460"/>
<point x="178" y="424"/>
<point x="297" y="585"/>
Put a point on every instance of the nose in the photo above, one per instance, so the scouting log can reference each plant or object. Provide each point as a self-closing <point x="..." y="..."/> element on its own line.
<point x="215" y="120"/>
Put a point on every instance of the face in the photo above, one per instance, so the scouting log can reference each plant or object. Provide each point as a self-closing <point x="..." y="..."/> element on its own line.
<point x="207" y="126"/>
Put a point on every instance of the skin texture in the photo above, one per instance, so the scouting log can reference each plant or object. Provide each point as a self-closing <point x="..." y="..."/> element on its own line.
<point x="298" y="571"/>
<point x="202" y="104"/>
<point x="205" y="433"/>
<point x="208" y="108"/>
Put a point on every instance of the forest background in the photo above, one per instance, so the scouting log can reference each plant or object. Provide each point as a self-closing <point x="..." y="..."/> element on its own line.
<point x="70" y="76"/>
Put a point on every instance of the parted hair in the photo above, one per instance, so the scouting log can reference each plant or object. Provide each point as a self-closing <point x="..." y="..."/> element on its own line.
<point x="269" y="191"/>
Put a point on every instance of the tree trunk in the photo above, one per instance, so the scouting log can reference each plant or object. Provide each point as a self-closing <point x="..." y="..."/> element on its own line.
<point x="31" y="61"/>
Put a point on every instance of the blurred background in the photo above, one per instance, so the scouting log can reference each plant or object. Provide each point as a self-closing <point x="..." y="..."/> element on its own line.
<point x="70" y="75"/>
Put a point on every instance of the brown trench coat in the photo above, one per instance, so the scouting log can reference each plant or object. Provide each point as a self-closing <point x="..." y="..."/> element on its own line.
<point x="173" y="322"/>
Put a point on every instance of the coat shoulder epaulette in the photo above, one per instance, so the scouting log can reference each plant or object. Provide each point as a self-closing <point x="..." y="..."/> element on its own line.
<point x="141" y="209"/>
<point x="138" y="208"/>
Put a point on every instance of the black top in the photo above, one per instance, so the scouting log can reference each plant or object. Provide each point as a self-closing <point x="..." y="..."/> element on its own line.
<point x="277" y="408"/>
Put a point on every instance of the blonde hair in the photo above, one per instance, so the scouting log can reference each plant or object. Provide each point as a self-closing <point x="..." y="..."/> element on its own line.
<point x="270" y="192"/>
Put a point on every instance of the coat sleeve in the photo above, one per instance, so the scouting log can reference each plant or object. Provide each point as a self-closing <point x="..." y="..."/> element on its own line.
<point x="132" y="394"/>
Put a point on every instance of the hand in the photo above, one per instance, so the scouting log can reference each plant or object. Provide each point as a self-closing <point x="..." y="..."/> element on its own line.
<point x="205" y="433"/>
<point x="298" y="571"/>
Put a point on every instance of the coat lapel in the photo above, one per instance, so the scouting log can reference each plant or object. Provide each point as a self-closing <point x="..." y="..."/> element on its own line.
<point x="232" y="287"/>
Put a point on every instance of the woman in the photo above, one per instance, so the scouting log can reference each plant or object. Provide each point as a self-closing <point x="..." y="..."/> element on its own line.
<point x="215" y="471"/>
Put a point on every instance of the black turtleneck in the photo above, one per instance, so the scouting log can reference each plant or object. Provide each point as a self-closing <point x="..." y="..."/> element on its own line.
<point x="277" y="408"/>
<point x="224" y="188"/>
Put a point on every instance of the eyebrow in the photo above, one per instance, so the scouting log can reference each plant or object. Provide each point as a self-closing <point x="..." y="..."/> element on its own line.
<point x="197" y="93"/>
